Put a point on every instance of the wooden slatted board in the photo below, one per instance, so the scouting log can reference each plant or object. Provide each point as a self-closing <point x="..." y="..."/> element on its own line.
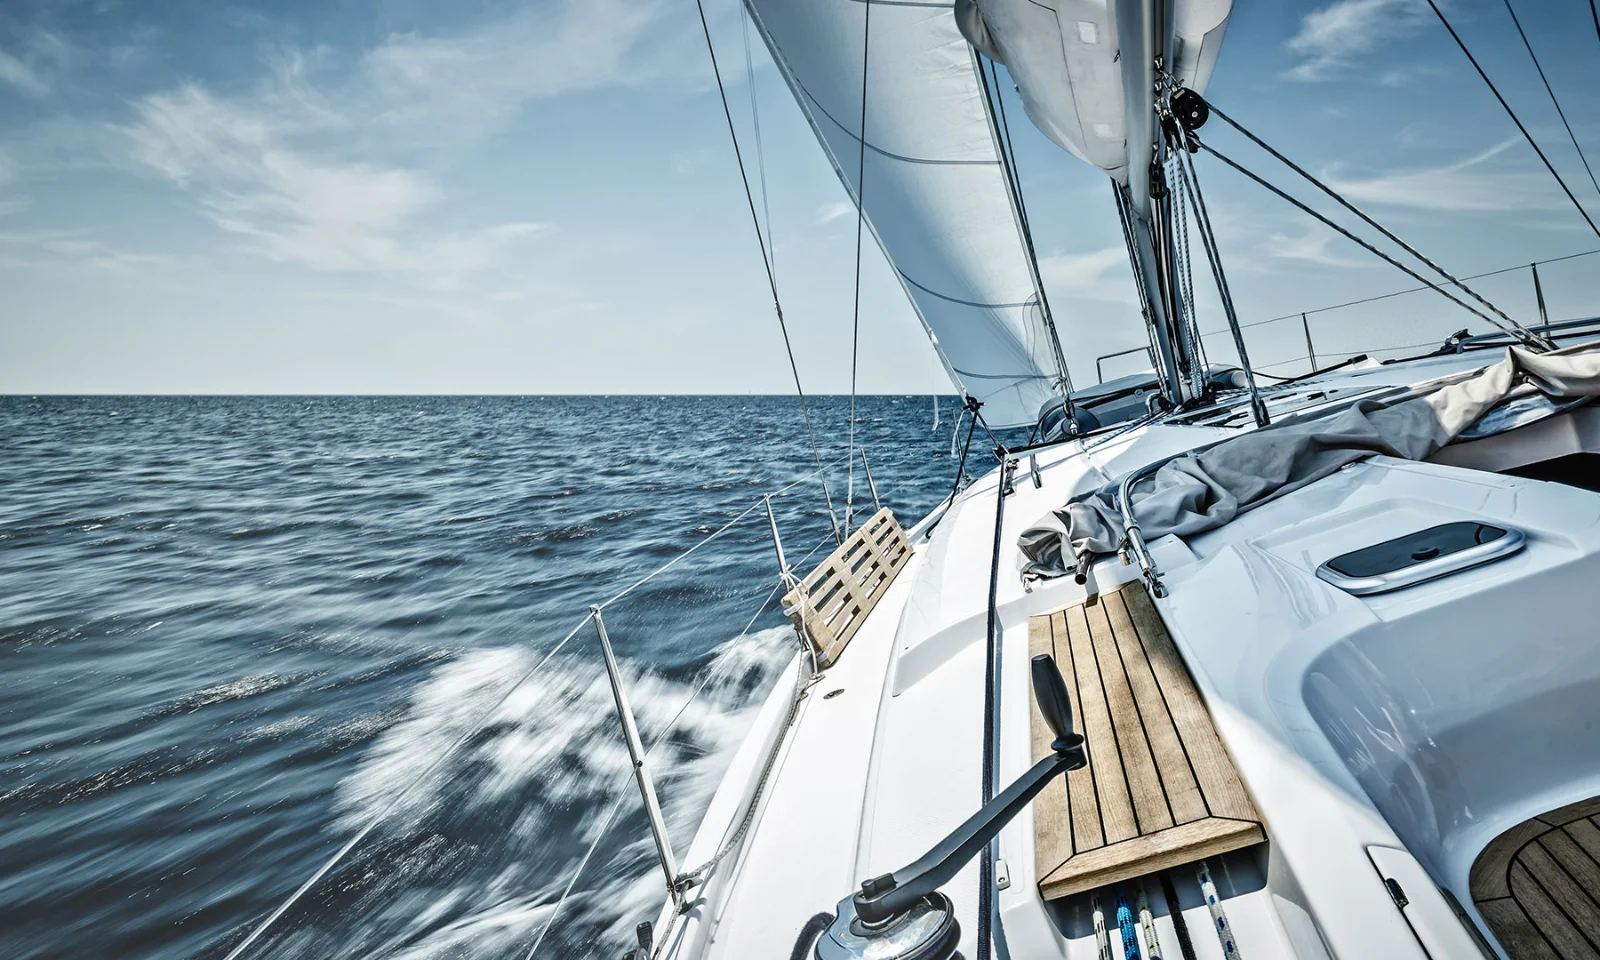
<point x="1538" y="885"/>
<point x="832" y="602"/>
<point x="1159" y="789"/>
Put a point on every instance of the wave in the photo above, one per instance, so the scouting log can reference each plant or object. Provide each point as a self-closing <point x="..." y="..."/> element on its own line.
<point x="473" y="860"/>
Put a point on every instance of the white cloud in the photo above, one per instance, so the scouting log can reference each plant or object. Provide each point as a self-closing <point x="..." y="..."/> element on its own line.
<point x="1332" y="37"/>
<point x="21" y="76"/>
<point x="239" y="160"/>
<point x="475" y="80"/>
<point x="1467" y="186"/>
<point x="834" y="210"/>
<point x="1313" y="246"/>
<point x="325" y="167"/>
<point x="1100" y="275"/>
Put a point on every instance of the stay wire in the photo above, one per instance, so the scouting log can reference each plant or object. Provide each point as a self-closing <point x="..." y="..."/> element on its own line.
<point x="1513" y="115"/>
<point x="861" y="217"/>
<point x="766" y="262"/>
<point x="1518" y="330"/>
<point x="1554" y="102"/>
<point x="1397" y="293"/>
<point x="755" y="122"/>
<point x="1362" y="243"/>
<point x="1015" y="178"/>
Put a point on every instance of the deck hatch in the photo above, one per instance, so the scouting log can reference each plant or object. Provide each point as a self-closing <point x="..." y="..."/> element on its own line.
<point x="1159" y="790"/>
<point x="1404" y="561"/>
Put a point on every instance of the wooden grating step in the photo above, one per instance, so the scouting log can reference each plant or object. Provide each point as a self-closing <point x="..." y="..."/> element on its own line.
<point x="833" y="601"/>
<point x="1538" y="885"/>
<point x="1159" y="789"/>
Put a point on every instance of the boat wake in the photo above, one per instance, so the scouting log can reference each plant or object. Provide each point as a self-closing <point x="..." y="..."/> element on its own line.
<point x="475" y="858"/>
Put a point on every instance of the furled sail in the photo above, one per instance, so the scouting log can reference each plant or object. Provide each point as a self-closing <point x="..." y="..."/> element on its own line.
<point x="936" y="194"/>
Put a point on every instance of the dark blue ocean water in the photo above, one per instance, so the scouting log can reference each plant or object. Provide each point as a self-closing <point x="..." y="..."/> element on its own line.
<point x="233" y="629"/>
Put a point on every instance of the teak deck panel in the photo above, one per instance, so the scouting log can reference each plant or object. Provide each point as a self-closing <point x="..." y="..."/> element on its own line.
<point x="1159" y="789"/>
<point x="833" y="601"/>
<point x="1538" y="885"/>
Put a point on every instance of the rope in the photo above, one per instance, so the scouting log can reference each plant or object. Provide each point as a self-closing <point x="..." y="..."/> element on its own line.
<point x="1512" y="114"/>
<point x="861" y="217"/>
<point x="1365" y="245"/>
<point x="766" y="262"/>
<point x="404" y="792"/>
<point x="991" y="717"/>
<point x="1559" y="112"/>
<point x="1516" y="329"/>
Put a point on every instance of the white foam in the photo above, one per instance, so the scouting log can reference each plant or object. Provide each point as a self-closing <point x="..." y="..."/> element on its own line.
<point x="553" y="749"/>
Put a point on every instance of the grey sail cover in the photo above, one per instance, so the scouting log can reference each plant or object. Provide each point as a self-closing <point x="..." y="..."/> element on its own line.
<point x="936" y="194"/>
<point x="1203" y="490"/>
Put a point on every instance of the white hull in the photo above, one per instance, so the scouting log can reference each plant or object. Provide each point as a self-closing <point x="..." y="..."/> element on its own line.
<point x="1399" y="732"/>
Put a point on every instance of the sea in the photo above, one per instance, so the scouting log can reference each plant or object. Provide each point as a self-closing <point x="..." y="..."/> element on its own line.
<point x="240" y="634"/>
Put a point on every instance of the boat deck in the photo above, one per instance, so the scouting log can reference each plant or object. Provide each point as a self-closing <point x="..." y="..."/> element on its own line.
<point x="1538" y="885"/>
<point x="1159" y="789"/>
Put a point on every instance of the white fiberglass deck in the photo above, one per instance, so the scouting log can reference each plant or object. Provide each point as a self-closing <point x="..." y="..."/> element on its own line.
<point x="1386" y="737"/>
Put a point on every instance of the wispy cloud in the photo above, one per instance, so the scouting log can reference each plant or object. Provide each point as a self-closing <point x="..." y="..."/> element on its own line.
<point x="1098" y="275"/>
<point x="314" y="171"/>
<point x="836" y="210"/>
<point x="47" y="247"/>
<point x="240" y="162"/>
<point x="21" y="76"/>
<point x="1473" y="185"/>
<point x="1332" y="37"/>
<point x="473" y="81"/>
<point x="1313" y="246"/>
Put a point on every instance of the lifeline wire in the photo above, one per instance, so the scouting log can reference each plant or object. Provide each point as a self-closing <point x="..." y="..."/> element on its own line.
<point x="714" y="535"/>
<point x="394" y="801"/>
<point x="1556" y="103"/>
<point x="766" y="262"/>
<point x="861" y="216"/>
<point x="1512" y="114"/>
<point x="1518" y="330"/>
<point x="622" y="782"/>
<point x="1369" y="247"/>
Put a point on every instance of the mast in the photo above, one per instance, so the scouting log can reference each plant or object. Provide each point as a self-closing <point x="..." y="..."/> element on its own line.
<point x="1144" y="31"/>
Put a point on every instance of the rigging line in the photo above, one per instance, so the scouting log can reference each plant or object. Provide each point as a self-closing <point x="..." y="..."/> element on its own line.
<point x="1190" y="182"/>
<point x="755" y="121"/>
<point x="1518" y="330"/>
<point x="1397" y="293"/>
<point x="1512" y="114"/>
<point x="1352" y="237"/>
<point x="402" y="793"/>
<point x="1015" y="177"/>
<point x="766" y="262"/>
<point x="861" y="216"/>
<point x="1595" y="13"/>
<point x="1556" y="103"/>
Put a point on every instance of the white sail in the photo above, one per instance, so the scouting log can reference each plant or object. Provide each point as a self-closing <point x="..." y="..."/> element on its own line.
<point x="936" y="193"/>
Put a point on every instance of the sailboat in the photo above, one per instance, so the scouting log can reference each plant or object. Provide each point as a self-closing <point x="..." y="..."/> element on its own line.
<point x="1208" y="668"/>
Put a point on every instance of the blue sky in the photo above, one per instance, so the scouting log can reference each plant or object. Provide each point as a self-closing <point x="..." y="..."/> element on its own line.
<point x="540" y="197"/>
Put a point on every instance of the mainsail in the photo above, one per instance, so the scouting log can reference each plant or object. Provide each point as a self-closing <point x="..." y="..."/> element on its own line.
<point x="936" y="193"/>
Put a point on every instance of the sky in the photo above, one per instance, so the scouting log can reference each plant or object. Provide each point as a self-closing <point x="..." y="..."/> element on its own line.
<point x="541" y="197"/>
